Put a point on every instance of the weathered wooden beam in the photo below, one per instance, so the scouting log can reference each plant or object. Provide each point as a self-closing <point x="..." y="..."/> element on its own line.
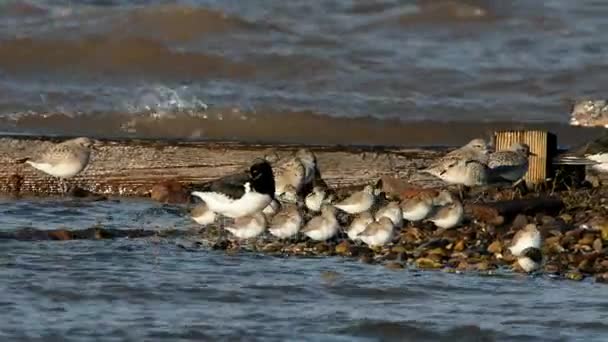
<point x="542" y="143"/>
<point x="132" y="167"/>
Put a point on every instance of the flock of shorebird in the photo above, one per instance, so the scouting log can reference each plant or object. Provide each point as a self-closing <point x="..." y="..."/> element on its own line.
<point x="290" y="198"/>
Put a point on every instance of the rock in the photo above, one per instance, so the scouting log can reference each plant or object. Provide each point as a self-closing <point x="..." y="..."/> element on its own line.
<point x="399" y="249"/>
<point x="567" y="218"/>
<point x="482" y="266"/>
<point x="393" y="265"/>
<point x="463" y="265"/>
<point x="459" y="246"/>
<point x="546" y="220"/>
<point x="604" y="233"/>
<point x="574" y="275"/>
<point x="598" y="246"/>
<point x="60" y="234"/>
<point x="495" y="247"/>
<point x="587" y="239"/>
<point x="343" y="248"/>
<point x="519" y="222"/>
<point x="321" y="247"/>
<point x="366" y="259"/>
<point x="484" y="213"/>
<point x="170" y="191"/>
<point x="601" y="278"/>
<point x="273" y="247"/>
<point x="427" y="263"/>
<point x="552" y="268"/>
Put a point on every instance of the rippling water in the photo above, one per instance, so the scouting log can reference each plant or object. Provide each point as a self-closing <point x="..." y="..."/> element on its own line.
<point x="151" y="289"/>
<point x="210" y="69"/>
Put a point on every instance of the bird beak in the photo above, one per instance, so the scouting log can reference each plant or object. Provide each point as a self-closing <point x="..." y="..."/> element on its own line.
<point x="96" y="145"/>
<point x="532" y="154"/>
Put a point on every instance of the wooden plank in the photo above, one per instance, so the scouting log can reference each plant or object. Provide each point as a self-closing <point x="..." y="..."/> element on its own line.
<point x="542" y="143"/>
<point x="132" y="167"/>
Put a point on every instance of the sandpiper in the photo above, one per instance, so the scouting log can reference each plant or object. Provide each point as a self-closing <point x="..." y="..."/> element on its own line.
<point x="287" y="222"/>
<point x="316" y="198"/>
<point x="272" y="209"/>
<point x="63" y="160"/>
<point x="526" y="247"/>
<point x="589" y="113"/>
<point x="510" y="165"/>
<point x="393" y="211"/>
<point x="297" y="172"/>
<point x="247" y="227"/>
<point x="449" y="215"/>
<point x="358" y="202"/>
<point x="324" y="226"/>
<point x="359" y="223"/>
<point x="202" y="215"/>
<point x="419" y="207"/>
<point x="378" y="233"/>
<point x="240" y="194"/>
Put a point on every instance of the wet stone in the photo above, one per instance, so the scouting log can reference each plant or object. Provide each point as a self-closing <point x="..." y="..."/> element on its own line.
<point x="574" y="275"/>
<point x="393" y="265"/>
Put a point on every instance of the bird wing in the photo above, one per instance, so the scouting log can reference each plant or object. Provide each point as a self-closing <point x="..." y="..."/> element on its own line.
<point x="231" y="185"/>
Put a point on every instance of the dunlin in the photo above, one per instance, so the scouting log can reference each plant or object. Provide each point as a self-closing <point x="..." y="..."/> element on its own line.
<point x="448" y="216"/>
<point x="63" y="160"/>
<point x="202" y="215"/>
<point x="392" y="210"/>
<point x="378" y="233"/>
<point x="324" y="226"/>
<point x="359" y="223"/>
<point x="241" y="194"/>
<point x="286" y="223"/>
<point x="316" y="198"/>
<point x="510" y="165"/>
<point x="358" y="202"/>
<point x="247" y="227"/>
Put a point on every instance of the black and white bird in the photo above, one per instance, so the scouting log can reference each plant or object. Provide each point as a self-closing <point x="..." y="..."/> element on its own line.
<point x="593" y="153"/>
<point x="240" y="194"/>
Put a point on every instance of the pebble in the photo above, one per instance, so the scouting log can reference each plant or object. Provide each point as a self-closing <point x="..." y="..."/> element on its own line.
<point x="427" y="263"/>
<point x="574" y="275"/>
<point x="393" y="265"/>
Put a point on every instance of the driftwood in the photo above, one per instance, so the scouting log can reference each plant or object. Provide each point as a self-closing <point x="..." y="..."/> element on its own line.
<point x="133" y="167"/>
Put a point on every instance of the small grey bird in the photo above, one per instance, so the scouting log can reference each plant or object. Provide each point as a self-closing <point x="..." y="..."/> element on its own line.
<point x="295" y="173"/>
<point x="510" y="165"/>
<point x="525" y="245"/>
<point x="63" y="160"/>
<point x="378" y="233"/>
<point x="287" y="222"/>
<point x="359" y="223"/>
<point x="448" y="216"/>
<point x="358" y="202"/>
<point x="392" y="210"/>
<point x="324" y="226"/>
<point x="202" y="215"/>
<point x="249" y="226"/>
<point x="316" y="198"/>
<point x="419" y="207"/>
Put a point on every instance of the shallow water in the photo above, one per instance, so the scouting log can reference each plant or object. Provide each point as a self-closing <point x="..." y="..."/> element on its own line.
<point x="211" y="69"/>
<point x="138" y="289"/>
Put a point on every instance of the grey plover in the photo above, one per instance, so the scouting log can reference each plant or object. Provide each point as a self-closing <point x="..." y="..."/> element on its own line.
<point x="589" y="113"/>
<point x="296" y="172"/>
<point x="247" y="227"/>
<point x="358" y="224"/>
<point x="510" y="165"/>
<point x="202" y="215"/>
<point x="525" y="245"/>
<point x="240" y="194"/>
<point x="392" y="210"/>
<point x="63" y="160"/>
<point x="287" y="222"/>
<point x="324" y="226"/>
<point x="378" y="233"/>
<point x="448" y="216"/>
<point x="358" y="202"/>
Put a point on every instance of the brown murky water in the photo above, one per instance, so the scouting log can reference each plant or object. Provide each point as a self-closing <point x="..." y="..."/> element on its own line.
<point x="336" y="71"/>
